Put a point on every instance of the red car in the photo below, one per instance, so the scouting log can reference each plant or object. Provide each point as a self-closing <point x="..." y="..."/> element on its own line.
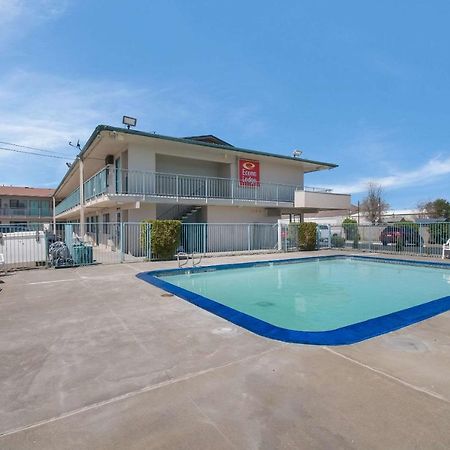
<point x="406" y="235"/>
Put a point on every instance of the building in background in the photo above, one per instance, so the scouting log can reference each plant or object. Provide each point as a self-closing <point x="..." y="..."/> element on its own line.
<point x="25" y="205"/>
<point x="125" y="175"/>
<point x="338" y="216"/>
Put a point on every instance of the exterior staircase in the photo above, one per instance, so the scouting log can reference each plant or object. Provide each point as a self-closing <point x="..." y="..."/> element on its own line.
<point x="185" y="213"/>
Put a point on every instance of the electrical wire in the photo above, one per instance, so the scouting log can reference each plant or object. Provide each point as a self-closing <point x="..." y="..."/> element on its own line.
<point x="52" y="154"/>
<point x="67" y="158"/>
<point x="28" y="147"/>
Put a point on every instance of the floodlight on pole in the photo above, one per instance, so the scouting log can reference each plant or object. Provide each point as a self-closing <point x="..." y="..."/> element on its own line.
<point x="129" y="121"/>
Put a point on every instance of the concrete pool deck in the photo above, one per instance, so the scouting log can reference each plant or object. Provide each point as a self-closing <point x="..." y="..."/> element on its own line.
<point x="94" y="358"/>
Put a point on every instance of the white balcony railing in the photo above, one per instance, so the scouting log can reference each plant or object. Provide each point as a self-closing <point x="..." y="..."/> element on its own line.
<point x="110" y="181"/>
<point x="26" y="212"/>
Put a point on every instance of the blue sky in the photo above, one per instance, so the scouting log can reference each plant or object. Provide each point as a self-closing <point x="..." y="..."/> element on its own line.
<point x="362" y="84"/>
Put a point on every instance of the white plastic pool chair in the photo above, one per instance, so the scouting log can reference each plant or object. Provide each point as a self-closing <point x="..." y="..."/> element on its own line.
<point x="445" y="248"/>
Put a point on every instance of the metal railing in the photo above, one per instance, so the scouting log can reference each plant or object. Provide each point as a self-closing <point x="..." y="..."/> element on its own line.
<point x="400" y="238"/>
<point x="26" y="212"/>
<point x="126" y="182"/>
<point x="96" y="185"/>
<point x="112" y="181"/>
<point x="69" y="202"/>
<point x="113" y="243"/>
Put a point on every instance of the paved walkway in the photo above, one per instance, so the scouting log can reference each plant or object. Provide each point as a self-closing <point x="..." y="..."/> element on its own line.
<point x="94" y="358"/>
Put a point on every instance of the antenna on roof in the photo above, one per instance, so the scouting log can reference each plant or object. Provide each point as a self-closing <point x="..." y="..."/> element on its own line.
<point x="129" y="121"/>
<point x="297" y="153"/>
<point x="78" y="146"/>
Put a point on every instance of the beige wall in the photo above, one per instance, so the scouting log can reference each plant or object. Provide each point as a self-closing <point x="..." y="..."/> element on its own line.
<point x="171" y="157"/>
<point x="321" y="200"/>
<point x="146" y="211"/>
<point x="189" y="166"/>
<point x="235" y="214"/>
<point x="141" y="157"/>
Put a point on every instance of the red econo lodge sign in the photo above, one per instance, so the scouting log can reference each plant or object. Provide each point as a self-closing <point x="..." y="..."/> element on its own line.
<point x="248" y="172"/>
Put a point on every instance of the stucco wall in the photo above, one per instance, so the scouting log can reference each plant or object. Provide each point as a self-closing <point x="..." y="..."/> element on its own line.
<point x="234" y="214"/>
<point x="189" y="166"/>
<point x="167" y="156"/>
<point x="141" y="157"/>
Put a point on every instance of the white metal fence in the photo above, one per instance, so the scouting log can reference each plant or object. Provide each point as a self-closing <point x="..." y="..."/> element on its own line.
<point x="112" y="243"/>
<point x="23" y="246"/>
<point x="402" y="238"/>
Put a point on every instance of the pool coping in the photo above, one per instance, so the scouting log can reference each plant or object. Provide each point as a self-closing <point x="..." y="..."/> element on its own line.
<point x="348" y="334"/>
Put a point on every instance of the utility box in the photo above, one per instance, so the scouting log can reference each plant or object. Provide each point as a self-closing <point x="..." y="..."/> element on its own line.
<point x="23" y="248"/>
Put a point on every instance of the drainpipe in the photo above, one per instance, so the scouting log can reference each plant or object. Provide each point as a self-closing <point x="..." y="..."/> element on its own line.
<point x="82" y="221"/>
<point x="54" y="215"/>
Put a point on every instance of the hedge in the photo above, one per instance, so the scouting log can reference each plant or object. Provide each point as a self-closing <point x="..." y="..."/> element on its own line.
<point x="165" y="237"/>
<point x="350" y="228"/>
<point x="307" y="236"/>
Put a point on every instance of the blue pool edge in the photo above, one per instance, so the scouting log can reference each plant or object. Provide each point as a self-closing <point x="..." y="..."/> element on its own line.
<point x="349" y="334"/>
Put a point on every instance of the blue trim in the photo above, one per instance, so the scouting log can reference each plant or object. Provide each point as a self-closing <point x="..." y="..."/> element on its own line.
<point x="349" y="334"/>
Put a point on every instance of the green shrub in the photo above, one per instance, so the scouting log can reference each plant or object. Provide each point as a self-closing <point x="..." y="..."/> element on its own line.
<point x="407" y="225"/>
<point x="399" y="244"/>
<point x="307" y="235"/>
<point x="337" y="241"/>
<point x="356" y="238"/>
<point x="165" y="237"/>
<point x="350" y="227"/>
<point x="439" y="232"/>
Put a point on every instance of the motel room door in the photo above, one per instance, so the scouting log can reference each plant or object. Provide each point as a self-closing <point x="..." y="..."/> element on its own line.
<point x="118" y="175"/>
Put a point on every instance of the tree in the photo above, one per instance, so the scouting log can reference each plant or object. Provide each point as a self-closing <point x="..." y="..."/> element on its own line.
<point x="437" y="209"/>
<point x="374" y="205"/>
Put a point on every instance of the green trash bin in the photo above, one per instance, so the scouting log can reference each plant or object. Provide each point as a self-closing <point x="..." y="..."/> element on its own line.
<point x="82" y="254"/>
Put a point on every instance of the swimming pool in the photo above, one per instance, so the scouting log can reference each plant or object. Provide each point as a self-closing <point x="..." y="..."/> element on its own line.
<point x="327" y="300"/>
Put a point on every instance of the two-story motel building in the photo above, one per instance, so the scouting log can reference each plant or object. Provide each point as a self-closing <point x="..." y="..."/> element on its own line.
<point x="124" y="175"/>
<point x="23" y="205"/>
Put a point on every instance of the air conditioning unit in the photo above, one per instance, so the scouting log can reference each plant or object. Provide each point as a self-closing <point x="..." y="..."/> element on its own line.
<point x="109" y="159"/>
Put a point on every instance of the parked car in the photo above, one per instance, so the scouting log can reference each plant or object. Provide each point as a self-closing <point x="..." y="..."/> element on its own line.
<point x="407" y="235"/>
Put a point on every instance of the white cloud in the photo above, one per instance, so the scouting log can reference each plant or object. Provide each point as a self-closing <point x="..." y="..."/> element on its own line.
<point x="431" y="172"/>
<point x="18" y="17"/>
<point x="48" y="111"/>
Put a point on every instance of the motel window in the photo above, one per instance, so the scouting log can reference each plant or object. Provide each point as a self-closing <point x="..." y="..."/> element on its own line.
<point x="106" y="223"/>
<point x="15" y="203"/>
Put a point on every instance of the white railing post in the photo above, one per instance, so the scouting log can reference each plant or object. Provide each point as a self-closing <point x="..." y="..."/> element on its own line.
<point x="176" y="188"/>
<point x="206" y="189"/>
<point x="280" y="244"/>
<point x="204" y="238"/>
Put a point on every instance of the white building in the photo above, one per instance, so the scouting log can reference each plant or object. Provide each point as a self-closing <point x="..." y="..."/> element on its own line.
<point x="125" y="175"/>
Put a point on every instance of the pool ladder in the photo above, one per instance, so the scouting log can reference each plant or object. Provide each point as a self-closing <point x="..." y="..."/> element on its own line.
<point x="184" y="262"/>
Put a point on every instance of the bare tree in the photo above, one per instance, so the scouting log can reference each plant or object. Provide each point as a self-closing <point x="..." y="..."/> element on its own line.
<point x="374" y="204"/>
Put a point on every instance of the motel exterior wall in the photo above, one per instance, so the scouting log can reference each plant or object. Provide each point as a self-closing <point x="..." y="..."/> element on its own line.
<point x="136" y="156"/>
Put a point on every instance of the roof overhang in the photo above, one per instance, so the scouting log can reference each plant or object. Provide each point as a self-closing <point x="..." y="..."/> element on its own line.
<point x="129" y="135"/>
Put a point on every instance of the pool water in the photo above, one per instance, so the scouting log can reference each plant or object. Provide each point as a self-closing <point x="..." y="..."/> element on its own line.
<point x="318" y="295"/>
